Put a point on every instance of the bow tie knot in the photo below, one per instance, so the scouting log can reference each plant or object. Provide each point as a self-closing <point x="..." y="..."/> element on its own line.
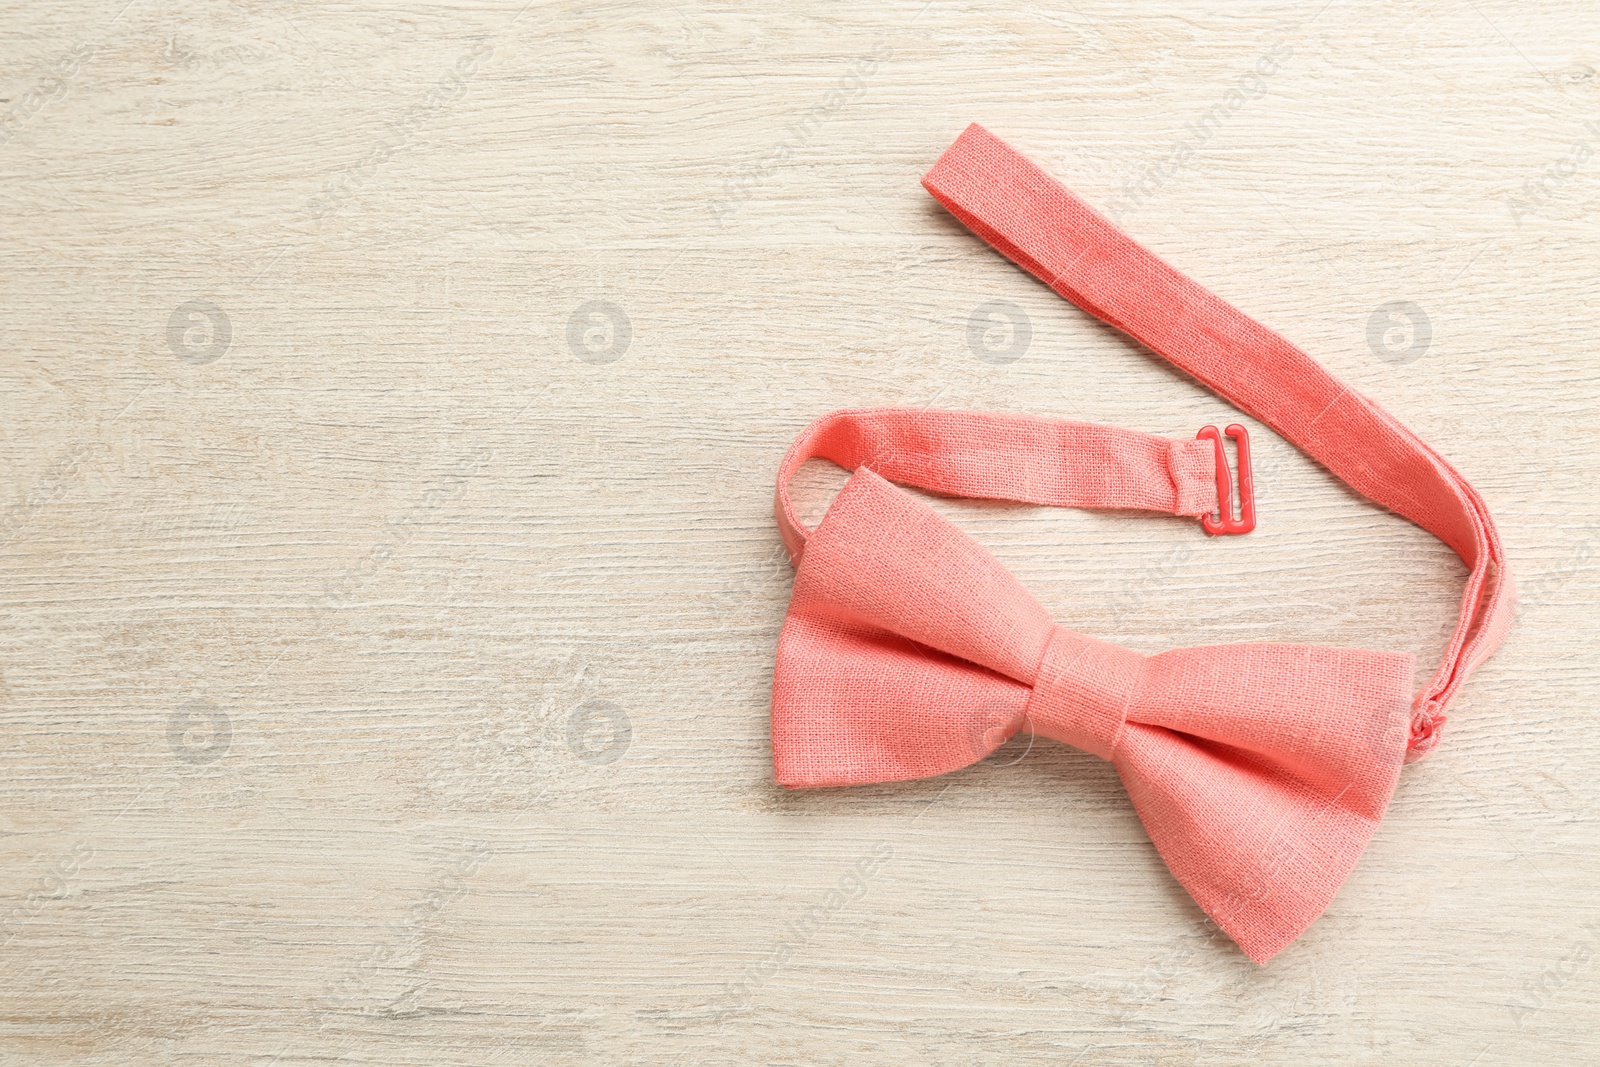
<point x="1083" y="691"/>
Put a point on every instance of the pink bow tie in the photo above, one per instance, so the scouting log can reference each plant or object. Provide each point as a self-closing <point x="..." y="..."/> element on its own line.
<point x="1259" y="771"/>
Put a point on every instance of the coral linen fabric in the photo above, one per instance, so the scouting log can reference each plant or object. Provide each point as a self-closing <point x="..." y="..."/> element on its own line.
<point x="1042" y="226"/>
<point x="1260" y="771"/>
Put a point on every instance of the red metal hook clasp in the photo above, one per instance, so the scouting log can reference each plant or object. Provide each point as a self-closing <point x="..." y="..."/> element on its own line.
<point x="1225" y="523"/>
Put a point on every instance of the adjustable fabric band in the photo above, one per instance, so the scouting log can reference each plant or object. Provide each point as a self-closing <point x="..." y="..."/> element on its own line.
<point x="1042" y="226"/>
<point x="1024" y="458"/>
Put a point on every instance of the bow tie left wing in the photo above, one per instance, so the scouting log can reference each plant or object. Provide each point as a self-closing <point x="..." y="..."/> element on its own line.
<point x="854" y="704"/>
<point x="907" y="651"/>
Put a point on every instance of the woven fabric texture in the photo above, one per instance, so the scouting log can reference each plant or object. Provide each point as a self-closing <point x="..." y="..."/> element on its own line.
<point x="1042" y="226"/>
<point x="1260" y="771"/>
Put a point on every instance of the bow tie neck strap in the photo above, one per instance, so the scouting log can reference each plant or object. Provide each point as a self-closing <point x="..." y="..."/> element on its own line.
<point x="1042" y="226"/>
<point x="992" y="456"/>
<point x="1260" y="771"/>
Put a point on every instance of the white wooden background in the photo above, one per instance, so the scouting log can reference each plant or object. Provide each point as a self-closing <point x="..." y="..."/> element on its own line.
<point x="391" y="400"/>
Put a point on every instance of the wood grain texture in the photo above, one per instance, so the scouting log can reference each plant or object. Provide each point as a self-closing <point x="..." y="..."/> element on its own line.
<point x="385" y="673"/>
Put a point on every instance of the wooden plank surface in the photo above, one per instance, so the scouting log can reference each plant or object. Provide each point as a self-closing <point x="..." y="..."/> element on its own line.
<point x="391" y="401"/>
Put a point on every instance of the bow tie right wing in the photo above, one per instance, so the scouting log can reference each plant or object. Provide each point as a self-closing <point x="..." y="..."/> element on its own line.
<point x="1260" y="773"/>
